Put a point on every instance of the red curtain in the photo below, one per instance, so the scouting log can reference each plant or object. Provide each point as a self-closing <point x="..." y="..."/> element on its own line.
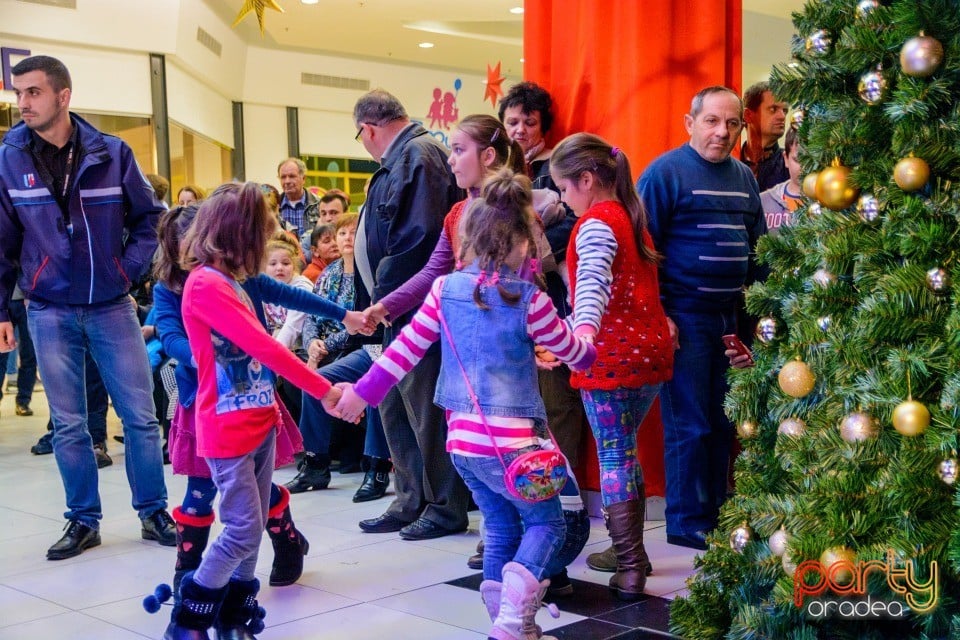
<point x="627" y="70"/>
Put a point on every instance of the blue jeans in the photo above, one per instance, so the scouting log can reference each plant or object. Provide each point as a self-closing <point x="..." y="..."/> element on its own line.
<point x="110" y="332"/>
<point x="614" y="417"/>
<point x="27" y="371"/>
<point x="531" y="533"/>
<point x="697" y="434"/>
<point x="315" y="423"/>
<point x="244" y="486"/>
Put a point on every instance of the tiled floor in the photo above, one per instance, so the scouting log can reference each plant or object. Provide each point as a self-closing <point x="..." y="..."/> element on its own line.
<point x="355" y="586"/>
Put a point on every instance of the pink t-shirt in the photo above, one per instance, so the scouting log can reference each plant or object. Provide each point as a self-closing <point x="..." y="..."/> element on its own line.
<point x="236" y="405"/>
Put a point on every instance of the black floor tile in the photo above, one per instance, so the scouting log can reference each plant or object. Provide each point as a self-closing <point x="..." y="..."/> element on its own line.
<point x="652" y="613"/>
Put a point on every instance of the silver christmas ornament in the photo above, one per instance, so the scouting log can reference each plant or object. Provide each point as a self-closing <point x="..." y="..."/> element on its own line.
<point x="938" y="280"/>
<point x="789" y="566"/>
<point x="778" y="542"/>
<point x="796" y="118"/>
<point x="948" y="470"/>
<point x="740" y="538"/>
<point x="921" y="56"/>
<point x="815" y="209"/>
<point x="823" y="277"/>
<point x="866" y="7"/>
<point x="873" y="86"/>
<point x="858" y="426"/>
<point x="868" y="208"/>
<point x="818" y="43"/>
<point x="792" y="427"/>
<point x="824" y="323"/>
<point x="767" y="329"/>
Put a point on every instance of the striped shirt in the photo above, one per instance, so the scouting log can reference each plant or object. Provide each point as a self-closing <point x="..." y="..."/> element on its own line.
<point x="466" y="434"/>
<point x="596" y="247"/>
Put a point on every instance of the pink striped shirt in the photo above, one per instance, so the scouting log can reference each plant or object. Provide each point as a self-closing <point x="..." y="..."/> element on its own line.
<point x="466" y="434"/>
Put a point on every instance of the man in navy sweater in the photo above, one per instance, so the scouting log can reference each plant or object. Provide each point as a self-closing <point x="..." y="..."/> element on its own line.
<point x="705" y="219"/>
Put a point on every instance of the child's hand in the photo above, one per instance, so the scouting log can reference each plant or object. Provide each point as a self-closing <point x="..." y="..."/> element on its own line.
<point x="545" y="360"/>
<point x="357" y="322"/>
<point x="351" y="406"/>
<point x="330" y="401"/>
<point x="376" y="313"/>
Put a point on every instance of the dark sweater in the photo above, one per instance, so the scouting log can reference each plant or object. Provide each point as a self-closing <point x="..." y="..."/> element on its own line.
<point x="705" y="219"/>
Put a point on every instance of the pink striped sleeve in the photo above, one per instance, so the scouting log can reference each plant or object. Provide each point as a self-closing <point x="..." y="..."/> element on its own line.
<point x="404" y="352"/>
<point x="546" y="329"/>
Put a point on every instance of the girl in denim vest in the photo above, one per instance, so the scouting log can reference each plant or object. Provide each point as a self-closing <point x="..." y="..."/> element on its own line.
<point x="494" y="318"/>
<point x="616" y="305"/>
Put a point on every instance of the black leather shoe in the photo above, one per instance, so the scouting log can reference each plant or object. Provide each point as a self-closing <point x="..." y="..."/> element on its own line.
<point x="76" y="540"/>
<point x="696" y="540"/>
<point x="159" y="526"/>
<point x="383" y="524"/>
<point x="23" y="410"/>
<point x="100" y="453"/>
<point x="423" y="529"/>
<point x="44" y="445"/>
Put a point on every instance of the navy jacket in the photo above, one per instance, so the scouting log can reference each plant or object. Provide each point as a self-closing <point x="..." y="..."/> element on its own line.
<point x="113" y="212"/>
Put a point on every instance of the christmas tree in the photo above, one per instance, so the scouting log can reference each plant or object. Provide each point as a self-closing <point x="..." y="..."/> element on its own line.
<point x="845" y="521"/>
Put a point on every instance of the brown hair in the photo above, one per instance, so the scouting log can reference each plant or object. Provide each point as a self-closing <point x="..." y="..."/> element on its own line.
<point x="487" y="131"/>
<point x="611" y="168"/>
<point x="197" y="192"/>
<point x="172" y="228"/>
<point x="232" y="227"/>
<point x="346" y="220"/>
<point x="496" y="223"/>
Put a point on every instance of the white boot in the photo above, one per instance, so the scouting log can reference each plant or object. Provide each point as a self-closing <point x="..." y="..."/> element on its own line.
<point x="490" y="594"/>
<point x="520" y="599"/>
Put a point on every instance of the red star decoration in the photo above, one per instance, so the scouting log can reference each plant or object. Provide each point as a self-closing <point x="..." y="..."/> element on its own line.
<point x="494" y="80"/>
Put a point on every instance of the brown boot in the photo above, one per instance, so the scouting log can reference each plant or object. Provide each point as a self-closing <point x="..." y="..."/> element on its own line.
<point x="626" y="531"/>
<point x="606" y="560"/>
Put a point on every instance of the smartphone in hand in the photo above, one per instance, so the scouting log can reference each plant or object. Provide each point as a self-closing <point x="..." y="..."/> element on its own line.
<point x="733" y="343"/>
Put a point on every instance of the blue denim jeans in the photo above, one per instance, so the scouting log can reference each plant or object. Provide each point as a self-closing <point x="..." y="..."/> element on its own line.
<point x="531" y="533"/>
<point x="315" y="423"/>
<point x="62" y="335"/>
<point x="697" y="434"/>
<point x="614" y="417"/>
<point x="244" y="485"/>
<point x="27" y="371"/>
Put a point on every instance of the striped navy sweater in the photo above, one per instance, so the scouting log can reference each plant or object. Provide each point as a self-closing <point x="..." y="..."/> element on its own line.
<point x="705" y="219"/>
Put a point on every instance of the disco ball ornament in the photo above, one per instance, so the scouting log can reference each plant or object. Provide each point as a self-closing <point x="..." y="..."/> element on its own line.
<point x="868" y="208"/>
<point x="824" y="323"/>
<point x="792" y="427"/>
<point x="740" y="538"/>
<point x="911" y="418"/>
<point x="938" y="280"/>
<point x="866" y="7"/>
<point x="872" y="87"/>
<point x="911" y="174"/>
<point x="948" y="470"/>
<point x="818" y="43"/>
<point x="921" y="56"/>
<point x="809" y="185"/>
<point x="858" y="426"/>
<point x="840" y="575"/>
<point x="834" y="189"/>
<point x="767" y="329"/>
<point x="778" y="542"/>
<point x="823" y="277"/>
<point x="796" y="118"/>
<point x="796" y="379"/>
<point x="747" y="429"/>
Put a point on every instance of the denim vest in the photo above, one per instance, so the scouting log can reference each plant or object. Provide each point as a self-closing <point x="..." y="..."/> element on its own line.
<point x="493" y="346"/>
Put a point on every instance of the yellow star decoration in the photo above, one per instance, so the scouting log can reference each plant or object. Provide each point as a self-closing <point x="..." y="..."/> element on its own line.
<point x="257" y="6"/>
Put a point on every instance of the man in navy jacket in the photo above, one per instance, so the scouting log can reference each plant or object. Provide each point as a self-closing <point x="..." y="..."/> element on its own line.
<point x="78" y="218"/>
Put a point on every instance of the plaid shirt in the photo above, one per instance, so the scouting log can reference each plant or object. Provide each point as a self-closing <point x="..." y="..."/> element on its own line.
<point x="292" y="212"/>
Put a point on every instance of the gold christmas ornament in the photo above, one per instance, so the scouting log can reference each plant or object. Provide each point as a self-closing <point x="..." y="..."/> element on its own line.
<point x="948" y="470"/>
<point x="911" y="418"/>
<point x="833" y="188"/>
<point x="840" y="575"/>
<point x="938" y="280"/>
<point x="796" y="379"/>
<point x="792" y="427"/>
<point x="778" y="542"/>
<point x="873" y="86"/>
<point x="823" y="277"/>
<point x="818" y="43"/>
<point x="868" y="208"/>
<point x="921" y="56"/>
<point x="809" y="185"/>
<point x="747" y="429"/>
<point x="766" y="329"/>
<point x="911" y="174"/>
<point x="740" y="538"/>
<point x="796" y="118"/>
<point x="858" y="426"/>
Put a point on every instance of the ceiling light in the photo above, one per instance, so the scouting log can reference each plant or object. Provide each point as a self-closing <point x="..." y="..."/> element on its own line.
<point x="425" y="45"/>
<point x="309" y="1"/>
<point x="516" y="10"/>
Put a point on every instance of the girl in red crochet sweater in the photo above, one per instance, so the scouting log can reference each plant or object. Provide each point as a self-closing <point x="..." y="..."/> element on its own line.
<point x="616" y="301"/>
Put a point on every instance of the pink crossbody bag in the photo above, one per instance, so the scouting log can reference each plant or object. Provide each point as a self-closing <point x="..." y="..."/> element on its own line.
<point x="533" y="476"/>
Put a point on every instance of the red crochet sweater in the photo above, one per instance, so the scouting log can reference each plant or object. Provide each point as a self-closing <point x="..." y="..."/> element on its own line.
<point x="451" y="224"/>
<point x="633" y="346"/>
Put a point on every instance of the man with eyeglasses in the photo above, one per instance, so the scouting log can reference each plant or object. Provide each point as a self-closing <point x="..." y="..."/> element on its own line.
<point x="402" y="217"/>
<point x="705" y="218"/>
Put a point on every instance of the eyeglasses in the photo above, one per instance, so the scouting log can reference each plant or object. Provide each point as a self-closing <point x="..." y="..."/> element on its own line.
<point x="359" y="131"/>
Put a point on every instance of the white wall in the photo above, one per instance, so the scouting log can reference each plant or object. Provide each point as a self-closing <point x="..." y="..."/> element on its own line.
<point x="265" y="140"/>
<point x="766" y="42"/>
<point x="198" y="107"/>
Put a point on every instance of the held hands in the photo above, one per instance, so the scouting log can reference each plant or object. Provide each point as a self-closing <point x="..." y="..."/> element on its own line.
<point x="377" y="314"/>
<point x="7" y="340"/>
<point x="330" y="400"/>
<point x="544" y="359"/>
<point x="357" y="322"/>
<point x="351" y="406"/>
